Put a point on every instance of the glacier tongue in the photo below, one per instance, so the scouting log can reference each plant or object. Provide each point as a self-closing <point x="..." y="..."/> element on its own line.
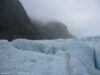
<point x="50" y="57"/>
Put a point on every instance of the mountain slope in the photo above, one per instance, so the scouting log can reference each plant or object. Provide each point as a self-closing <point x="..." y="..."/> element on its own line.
<point x="14" y="22"/>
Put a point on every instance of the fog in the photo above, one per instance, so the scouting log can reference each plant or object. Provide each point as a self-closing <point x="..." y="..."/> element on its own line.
<point x="81" y="16"/>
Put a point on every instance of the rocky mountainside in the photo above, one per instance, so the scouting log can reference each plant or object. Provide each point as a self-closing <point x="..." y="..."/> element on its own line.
<point x="53" y="30"/>
<point x="14" y="22"/>
<point x="57" y="30"/>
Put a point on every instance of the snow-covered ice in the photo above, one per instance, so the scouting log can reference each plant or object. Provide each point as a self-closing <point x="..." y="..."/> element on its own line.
<point x="50" y="57"/>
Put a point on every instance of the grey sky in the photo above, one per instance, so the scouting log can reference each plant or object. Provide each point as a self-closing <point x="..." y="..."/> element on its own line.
<point x="81" y="16"/>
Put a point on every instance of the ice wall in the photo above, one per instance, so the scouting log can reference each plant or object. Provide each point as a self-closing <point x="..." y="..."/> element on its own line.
<point x="50" y="57"/>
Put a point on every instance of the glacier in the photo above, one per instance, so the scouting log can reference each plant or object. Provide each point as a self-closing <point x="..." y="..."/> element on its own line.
<point x="79" y="56"/>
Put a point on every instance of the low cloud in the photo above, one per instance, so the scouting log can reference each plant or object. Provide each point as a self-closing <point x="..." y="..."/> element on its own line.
<point x="81" y="16"/>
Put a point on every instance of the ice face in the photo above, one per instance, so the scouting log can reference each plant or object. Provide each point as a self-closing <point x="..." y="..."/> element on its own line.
<point x="50" y="57"/>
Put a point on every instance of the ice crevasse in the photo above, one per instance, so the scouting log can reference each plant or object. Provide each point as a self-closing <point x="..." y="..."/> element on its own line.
<point x="80" y="56"/>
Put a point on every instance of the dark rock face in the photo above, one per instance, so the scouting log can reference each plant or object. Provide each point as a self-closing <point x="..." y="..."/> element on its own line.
<point x="58" y="30"/>
<point x="14" y="22"/>
<point x="53" y="30"/>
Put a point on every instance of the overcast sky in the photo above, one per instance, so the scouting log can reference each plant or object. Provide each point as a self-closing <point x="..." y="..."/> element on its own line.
<point x="81" y="16"/>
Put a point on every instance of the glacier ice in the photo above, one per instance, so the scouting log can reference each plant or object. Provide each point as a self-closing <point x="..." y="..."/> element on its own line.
<point x="79" y="56"/>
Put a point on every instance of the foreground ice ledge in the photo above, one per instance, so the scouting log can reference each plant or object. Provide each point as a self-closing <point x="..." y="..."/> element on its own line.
<point x="50" y="57"/>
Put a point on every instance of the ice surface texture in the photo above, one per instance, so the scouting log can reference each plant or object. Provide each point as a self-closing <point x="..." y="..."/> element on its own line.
<point x="50" y="57"/>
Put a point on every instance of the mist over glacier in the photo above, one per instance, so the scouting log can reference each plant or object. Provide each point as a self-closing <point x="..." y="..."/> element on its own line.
<point x="81" y="17"/>
<point x="51" y="50"/>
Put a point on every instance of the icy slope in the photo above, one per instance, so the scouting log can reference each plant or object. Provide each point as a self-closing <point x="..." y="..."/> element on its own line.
<point x="50" y="57"/>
